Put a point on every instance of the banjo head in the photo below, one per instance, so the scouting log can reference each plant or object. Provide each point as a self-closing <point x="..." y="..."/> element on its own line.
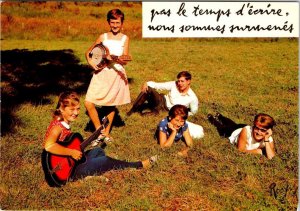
<point x="98" y="54"/>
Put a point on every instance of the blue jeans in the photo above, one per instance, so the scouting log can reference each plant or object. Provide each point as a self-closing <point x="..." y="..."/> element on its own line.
<point x="97" y="163"/>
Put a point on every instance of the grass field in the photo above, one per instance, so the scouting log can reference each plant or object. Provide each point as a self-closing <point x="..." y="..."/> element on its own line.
<point x="237" y="77"/>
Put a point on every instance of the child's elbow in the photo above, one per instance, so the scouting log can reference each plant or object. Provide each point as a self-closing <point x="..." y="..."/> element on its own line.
<point x="48" y="147"/>
<point x="241" y="149"/>
<point x="164" y="145"/>
<point x="270" y="157"/>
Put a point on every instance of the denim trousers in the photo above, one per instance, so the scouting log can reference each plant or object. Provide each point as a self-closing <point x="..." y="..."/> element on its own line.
<point x="96" y="163"/>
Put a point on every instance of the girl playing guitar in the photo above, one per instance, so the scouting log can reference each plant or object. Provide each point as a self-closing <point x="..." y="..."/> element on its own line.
<point x="96" y="162"/>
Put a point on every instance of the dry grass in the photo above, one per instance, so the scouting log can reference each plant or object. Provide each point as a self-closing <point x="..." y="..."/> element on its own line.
<point x="71" y="21"/>
<point x="237" y="77"/>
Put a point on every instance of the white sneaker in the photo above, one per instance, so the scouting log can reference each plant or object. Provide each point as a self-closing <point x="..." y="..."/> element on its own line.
<point x="101" y="138"/>
<point x="153" y="159"/>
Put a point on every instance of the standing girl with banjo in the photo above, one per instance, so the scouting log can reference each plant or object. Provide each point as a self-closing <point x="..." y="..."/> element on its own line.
<point x="109" y="85"/>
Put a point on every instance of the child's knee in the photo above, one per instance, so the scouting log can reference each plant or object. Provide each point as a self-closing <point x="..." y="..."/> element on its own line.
<point x="88" y="105"/>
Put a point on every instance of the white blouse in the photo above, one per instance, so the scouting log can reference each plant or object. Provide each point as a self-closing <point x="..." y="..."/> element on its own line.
<point x="251" y="142"/>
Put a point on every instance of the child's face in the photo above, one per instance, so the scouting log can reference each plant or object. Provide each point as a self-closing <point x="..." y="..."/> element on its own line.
<point x="177" y="122"/>
<point x="259" y="132"/>
<point x="115" y="25"/>
<point x="183" y="84"/>
<point x="70" y="113"/>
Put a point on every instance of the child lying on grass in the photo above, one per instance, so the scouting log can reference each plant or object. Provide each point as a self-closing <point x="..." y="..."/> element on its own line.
<point x="254" y="139"/>
<point x="174" y="128"/>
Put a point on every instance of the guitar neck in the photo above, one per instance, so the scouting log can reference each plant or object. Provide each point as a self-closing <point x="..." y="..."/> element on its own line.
<point x="95" y="135"/>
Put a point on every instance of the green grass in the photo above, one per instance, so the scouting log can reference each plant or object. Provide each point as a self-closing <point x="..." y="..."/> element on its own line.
<point x="237" y="77"/>
<point x="238" y="84"/>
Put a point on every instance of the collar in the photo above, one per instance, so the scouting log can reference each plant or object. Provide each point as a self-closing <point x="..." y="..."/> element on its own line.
<point x="187" y="93"/>
<point x="66" y="125"/>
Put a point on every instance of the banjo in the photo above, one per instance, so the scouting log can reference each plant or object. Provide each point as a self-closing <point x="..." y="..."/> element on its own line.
<point x="100" y="57"/>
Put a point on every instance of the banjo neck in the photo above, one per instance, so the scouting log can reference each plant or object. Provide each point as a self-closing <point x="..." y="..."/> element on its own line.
<point x="122" y="57"/>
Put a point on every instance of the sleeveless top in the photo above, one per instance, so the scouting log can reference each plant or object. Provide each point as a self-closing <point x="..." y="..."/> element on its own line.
<point x="109" y="87"/>
<point x="251" y="142"/>
<point x="66" y="130"/>
<point x="116" y="47"/>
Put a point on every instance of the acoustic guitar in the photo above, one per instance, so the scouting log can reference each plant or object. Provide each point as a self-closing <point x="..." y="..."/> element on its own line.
<point x="101" y="57"/>
<point x="58" y="168"/>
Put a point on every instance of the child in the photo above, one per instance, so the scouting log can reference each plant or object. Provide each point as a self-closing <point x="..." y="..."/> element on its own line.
<point x="67" y="111"/>
<point x="179" y="92"/>
<point x="109" y="86"/>
<point x="254" y="139"/>
<point x="174" y="128"/>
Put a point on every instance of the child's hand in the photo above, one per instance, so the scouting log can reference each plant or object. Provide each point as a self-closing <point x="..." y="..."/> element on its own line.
<point x="109" y="58"/>
<point x="171" y="126"/>
<point x="96" y="68"/>
<point x="145" y="87"/>
<point x="76" y="154"/>
<point x="120" y="61"/>
<point x="104" y="133"/>
<point x="268" y="134"/>
<point x="93" y="65"/>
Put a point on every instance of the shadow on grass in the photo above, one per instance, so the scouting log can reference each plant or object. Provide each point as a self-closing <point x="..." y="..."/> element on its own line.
<point x="31" y="76"/>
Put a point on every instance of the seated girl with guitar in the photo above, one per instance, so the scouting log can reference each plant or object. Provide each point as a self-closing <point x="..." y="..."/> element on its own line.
<point x="64" y="158"/>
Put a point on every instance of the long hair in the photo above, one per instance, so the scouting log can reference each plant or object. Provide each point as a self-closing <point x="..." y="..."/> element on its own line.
<point x="65" y="99"/>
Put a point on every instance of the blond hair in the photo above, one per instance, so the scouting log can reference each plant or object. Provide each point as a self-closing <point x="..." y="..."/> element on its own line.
<point x="65" y="99"/>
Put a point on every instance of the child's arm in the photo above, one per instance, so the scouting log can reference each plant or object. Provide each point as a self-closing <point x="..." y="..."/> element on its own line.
<point x="188" y="139"/>
<point x="270" y="150"/>
<point x="126" y="46"/>
<point x="193" y="106"/>
<point x="242" y="142"/>
<point x="161" y="85"/>
<point x="165" y="141"/>
<point x="270" y="146"/>
<point x="156" y="85"/>
<point x="53" y="147"/>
